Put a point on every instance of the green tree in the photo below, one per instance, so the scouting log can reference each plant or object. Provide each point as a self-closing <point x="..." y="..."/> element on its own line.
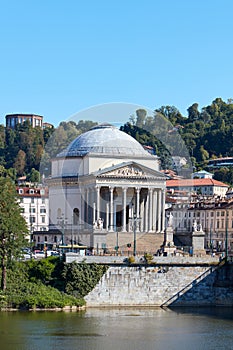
<point x="13" y="227"/>
<point x="34" y="176"/>
<point x="20" y="162"/>
<point x="141" y="117"/>
<point x="193" y="113"/>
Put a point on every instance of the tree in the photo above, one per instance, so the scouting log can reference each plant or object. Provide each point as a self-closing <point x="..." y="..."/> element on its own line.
<point x="13" y="227"/>
<point x="34" y="176"/>
<point x="193" y="113"/>
<point x="20" y="162"/>
<point x="141" y="116"/>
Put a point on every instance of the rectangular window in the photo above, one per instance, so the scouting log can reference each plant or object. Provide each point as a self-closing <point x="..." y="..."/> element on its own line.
<point x="42" y="210"/>
<point x="32" y="200"/>
<point x="32" y="210"/>
<point x="43" y="219"/>
<point x="218" y="213"/>
<point x="32" y="219"/>
<point x="222" y="213"/>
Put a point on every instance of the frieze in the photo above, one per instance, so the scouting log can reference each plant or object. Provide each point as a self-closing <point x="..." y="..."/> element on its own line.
<point x="128" y="172"/>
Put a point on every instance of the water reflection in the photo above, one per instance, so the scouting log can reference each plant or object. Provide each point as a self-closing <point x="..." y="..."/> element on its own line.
<point x="116" y="329"/>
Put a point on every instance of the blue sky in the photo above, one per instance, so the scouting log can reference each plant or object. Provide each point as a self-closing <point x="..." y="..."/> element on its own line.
<point x="60" y="57"/>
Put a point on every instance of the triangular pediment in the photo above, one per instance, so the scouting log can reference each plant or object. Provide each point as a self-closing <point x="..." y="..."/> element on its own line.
<point x="130" y="170"/>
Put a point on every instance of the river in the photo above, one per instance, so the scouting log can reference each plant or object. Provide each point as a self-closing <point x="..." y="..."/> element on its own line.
<point x="118" y="329"/>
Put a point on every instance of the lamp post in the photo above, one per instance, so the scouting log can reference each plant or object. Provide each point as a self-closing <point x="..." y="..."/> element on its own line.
<point x="62" y="222"/>
<point x="117" y="241"/>
<point x="211" y="249"/>
<point x="135" y="220"/>
<point x="226" y="237"/>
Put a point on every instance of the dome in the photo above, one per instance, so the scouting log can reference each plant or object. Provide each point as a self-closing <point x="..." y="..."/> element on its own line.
<point x="104" y="139"/>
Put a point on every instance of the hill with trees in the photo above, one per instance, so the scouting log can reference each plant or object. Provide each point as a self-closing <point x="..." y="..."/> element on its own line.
<point x="24" y="148"/>
<point x="203" y="134"/>
<point x="207" y="133"/>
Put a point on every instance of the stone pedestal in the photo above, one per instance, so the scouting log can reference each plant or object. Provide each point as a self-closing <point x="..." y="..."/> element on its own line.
<point x="169" y="246"/>
<point x="198" y="239"/>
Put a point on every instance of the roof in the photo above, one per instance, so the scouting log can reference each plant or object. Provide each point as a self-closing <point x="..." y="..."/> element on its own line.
<point x="202" y="172"/>
<point x="32" y="192"/>
<point x="105" y="139"/>
<point x="195" y="183"/>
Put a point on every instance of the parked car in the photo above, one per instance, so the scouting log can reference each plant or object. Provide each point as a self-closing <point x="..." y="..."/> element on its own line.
<point x="39" y="254"/>
<point x="53" y="253"/>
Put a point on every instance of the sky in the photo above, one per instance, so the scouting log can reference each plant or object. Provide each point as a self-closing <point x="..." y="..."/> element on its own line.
<point x="59" y="57"/>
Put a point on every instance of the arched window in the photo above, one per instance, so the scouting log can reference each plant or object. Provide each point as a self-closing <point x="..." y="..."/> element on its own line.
<point x="75" y="216"/>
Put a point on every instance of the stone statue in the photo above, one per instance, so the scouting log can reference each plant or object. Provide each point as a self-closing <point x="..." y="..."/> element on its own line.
<point x="100" y="223"/>
<point x="195" y="225"/>
<point x="170" y="220"/>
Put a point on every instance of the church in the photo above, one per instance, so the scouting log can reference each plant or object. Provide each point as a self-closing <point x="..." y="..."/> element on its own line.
<point x="106" y="191"/>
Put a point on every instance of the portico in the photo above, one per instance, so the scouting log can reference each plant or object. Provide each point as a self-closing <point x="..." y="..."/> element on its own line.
<point x="115" y="200"/>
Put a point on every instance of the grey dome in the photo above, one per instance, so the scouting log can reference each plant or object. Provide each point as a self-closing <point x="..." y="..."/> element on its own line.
<point x="104" y="139"/>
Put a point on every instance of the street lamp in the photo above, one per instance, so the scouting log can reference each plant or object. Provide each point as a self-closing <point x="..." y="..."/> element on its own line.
<point x="62" y="222"/>
<point x="226" y="237"/>
<point x="135" y="220"/>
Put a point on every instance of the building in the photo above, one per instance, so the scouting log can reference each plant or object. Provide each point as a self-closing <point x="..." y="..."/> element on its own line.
<point x="13" y="119"/>
<point x="34" y="203"/>
<point x="220" y="162"/>
<point x="215" y="217"/>
<point x="179" y="162"/>
<point x="202" y="174"/>
<point x="106" y="191"/>
<point x="208" y="187"/>
<point x="35" y="120"/>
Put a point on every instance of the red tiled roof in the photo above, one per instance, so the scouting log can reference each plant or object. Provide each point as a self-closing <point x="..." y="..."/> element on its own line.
<point x="37" y="192"/>
<point x="194" y="183"/>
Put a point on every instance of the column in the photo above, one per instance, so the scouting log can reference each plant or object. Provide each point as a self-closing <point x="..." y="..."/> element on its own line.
<point x="111" y="208"/>
<point x="146" y="211"/>
<point x="107" y="216"/>
<point x="159" y="210"/>
<point x="94" y="217"/>
<point x="150" y="209"/>
<point x="87" y="207"/>
<point x="154" y="226"/>
<point x="124" y="189"/>
<point x="137" y="207"/>
<point x="142" y="213"/>
<point x="97" y="202"/>
<point x="163" y="210"/>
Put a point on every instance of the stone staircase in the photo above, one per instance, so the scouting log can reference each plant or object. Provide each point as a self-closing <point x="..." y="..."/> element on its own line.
<point x="145" y="242"/>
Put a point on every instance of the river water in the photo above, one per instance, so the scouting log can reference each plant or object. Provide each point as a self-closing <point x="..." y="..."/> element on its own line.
<point x="118" y="329"/>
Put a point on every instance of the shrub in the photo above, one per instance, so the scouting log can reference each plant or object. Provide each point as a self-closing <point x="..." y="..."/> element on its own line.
<point x="131" y="259"/>
<point x="148" y="258"/>
<point x="80" y="279"/>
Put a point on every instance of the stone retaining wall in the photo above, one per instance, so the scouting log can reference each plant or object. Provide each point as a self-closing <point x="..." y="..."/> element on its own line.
<point x="158" y="286"/>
